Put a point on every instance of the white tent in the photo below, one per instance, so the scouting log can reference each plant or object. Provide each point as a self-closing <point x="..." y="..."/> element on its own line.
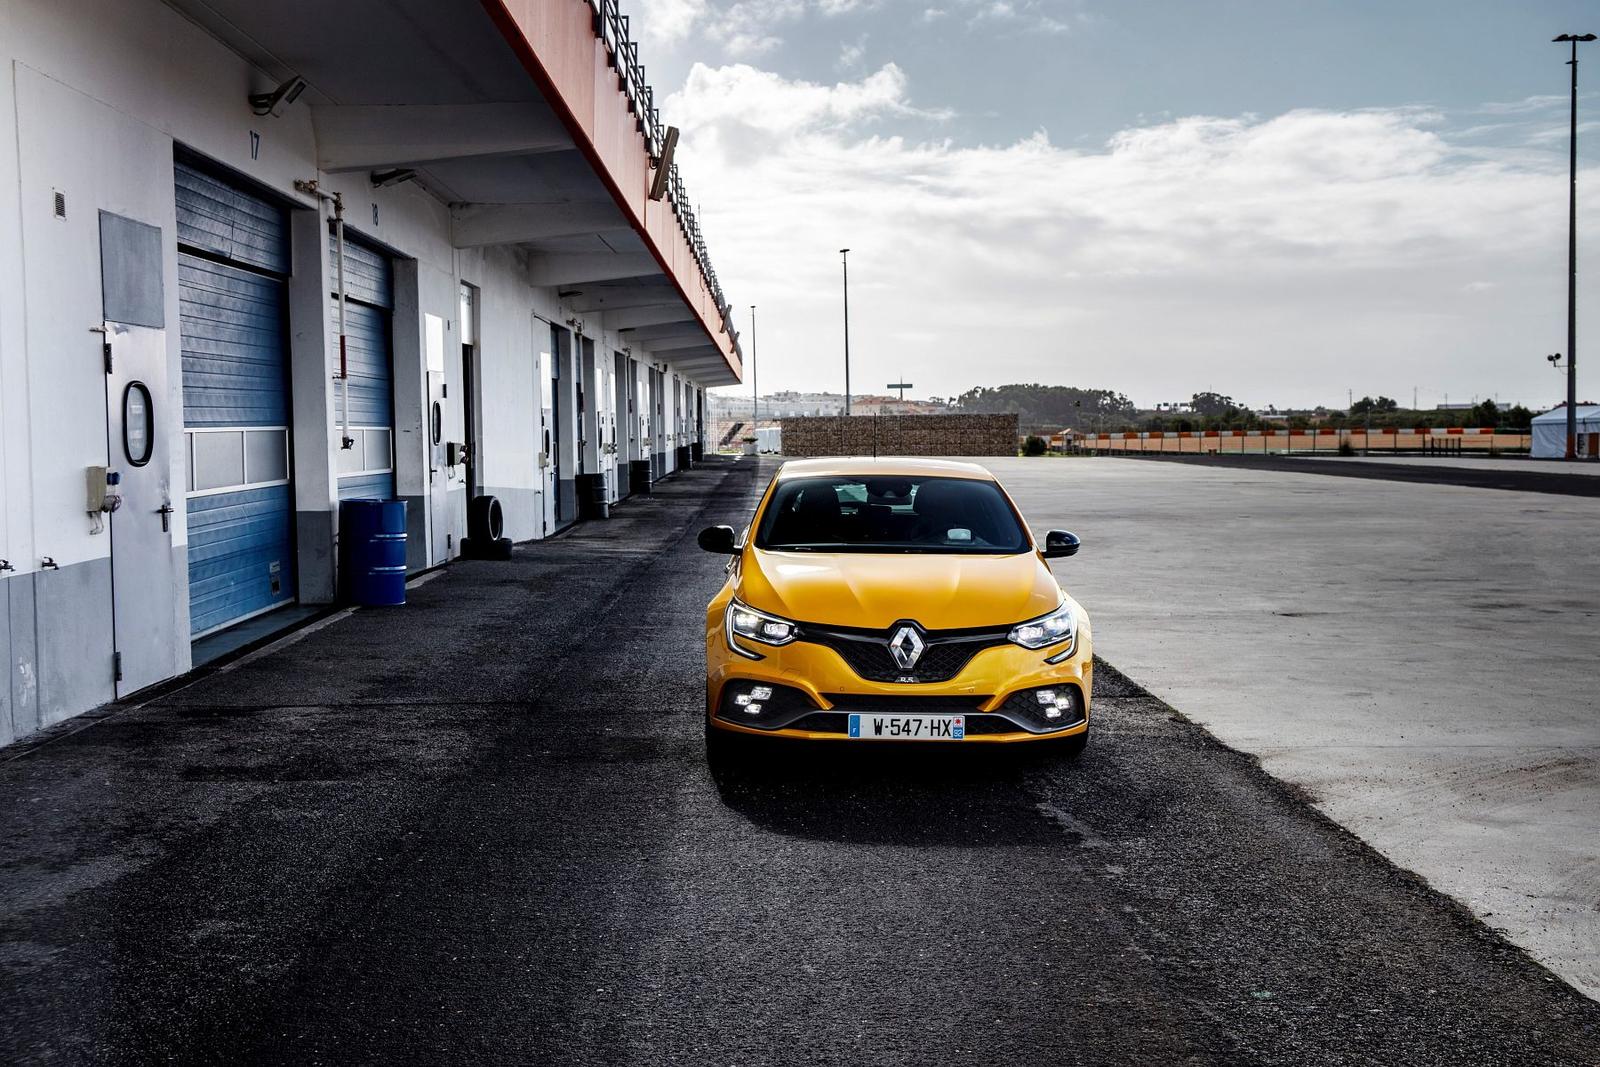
<point x="1550" y="431"/>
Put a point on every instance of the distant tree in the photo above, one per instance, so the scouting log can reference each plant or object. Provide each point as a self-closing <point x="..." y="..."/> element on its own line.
<point x="1035" y="446"/>
<point x="1516" y="417"/>
<point x="1050" y="407"/>
<point x="1485" y="414"/>
<point x="1212" y="405"/>
<point x="1369" y="406"/>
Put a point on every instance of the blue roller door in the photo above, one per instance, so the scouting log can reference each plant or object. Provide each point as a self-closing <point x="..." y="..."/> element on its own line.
<point x="232" y="256"/>
<point x="366" y="469"/>
<point x="225" y="222"/>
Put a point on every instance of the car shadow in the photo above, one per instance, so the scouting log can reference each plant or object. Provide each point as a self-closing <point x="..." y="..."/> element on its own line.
<point x="886" y="794"/>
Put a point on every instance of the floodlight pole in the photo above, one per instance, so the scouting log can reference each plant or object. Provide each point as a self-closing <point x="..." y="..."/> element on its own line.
<point x="1572" y="251"/>
<point x="844" y="255"/>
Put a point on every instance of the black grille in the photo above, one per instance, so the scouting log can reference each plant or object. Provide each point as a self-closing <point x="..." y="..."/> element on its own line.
<point x="906" y="705"/>
<point x="823" y="722"/>
<point x="992" y="724"/>
<point x="1024" y="708"/>
<point x="944" y="655"/>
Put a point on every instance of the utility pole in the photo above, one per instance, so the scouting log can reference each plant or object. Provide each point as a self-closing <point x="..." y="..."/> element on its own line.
<point x="755" y="393"/>
<point x="1572" y="250"/>
<point x="844" y="254"/>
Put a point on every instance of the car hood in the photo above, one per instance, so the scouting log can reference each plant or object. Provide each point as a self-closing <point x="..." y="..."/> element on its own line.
<point x="869" y="589"/>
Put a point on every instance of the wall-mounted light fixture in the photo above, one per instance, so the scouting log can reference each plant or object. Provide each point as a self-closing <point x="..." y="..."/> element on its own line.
<point x="287" y="93"/>
<point x="669" y="146"/>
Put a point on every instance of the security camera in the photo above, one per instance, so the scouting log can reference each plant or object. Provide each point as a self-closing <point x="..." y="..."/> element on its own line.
<point x="287" y="93"/>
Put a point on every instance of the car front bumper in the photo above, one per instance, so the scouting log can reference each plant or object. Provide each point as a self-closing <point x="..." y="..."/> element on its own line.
<point x="815" y="691"/>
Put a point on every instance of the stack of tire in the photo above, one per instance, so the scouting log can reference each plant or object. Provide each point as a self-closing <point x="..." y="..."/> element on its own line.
<point x="485" y="527"/>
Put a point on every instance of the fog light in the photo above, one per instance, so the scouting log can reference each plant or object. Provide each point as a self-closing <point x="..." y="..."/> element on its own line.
<point x="752" y="709"/>
<point x="742" y="699"/>
<point x="761" y="692"/>
<point x="1054" y="702"/>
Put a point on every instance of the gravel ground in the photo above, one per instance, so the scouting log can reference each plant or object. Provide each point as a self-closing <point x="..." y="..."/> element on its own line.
<point x="481" y="828"/>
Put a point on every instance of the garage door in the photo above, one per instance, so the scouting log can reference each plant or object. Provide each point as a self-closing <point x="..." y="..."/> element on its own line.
<point x="366" y="468"/>
<point x="233" y="255"/>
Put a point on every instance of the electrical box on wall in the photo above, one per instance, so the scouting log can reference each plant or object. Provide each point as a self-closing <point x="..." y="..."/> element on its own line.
<point x="102" y="495"/>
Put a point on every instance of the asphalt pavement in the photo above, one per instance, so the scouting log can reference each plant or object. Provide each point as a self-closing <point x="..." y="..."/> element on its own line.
<point x="1518" y="476"/>
<point x="1419" y="658"/>
<point x="480" y="828"/>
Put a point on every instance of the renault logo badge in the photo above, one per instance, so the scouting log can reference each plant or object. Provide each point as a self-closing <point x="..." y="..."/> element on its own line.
<point x="906" y="646"/>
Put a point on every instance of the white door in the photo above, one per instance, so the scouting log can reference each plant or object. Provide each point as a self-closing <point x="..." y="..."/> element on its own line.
<point x="605" y="381"/>
<point x="546" y="429"/>
<point x="144" y="573"/>
<point x="440" y="523"/>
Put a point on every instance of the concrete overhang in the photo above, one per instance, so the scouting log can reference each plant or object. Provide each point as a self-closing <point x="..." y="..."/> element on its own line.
<point x="526" y="117"/>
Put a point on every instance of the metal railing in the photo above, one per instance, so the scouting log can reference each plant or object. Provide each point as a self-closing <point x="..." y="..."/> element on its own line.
<point x="611" y="26"/>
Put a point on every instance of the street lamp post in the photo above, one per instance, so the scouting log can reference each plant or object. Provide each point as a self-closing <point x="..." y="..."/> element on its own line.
<point x="755" y="392"/>
<point x="1572" y="251"/>
<point x="844" y="255"/>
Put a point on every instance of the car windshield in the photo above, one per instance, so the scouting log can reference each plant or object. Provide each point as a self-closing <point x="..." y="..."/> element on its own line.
<point x="857" y="513"/>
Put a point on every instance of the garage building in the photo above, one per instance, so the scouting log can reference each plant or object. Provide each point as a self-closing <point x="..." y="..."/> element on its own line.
<point x="256" y="259"/>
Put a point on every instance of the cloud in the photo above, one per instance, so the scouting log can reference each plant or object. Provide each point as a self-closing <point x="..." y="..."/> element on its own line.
<point x="744" y="29"/>
<point x="664" y="24"/>
<point x="1280" y="258"/>
<point x="1525" y="106"/>
<point x="851" y="54"/>
<point x="739" y="101"/>
<point x="1038" y="16"/>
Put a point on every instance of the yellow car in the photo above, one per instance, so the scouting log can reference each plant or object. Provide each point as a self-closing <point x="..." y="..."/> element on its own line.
<point x="893" y="600"/>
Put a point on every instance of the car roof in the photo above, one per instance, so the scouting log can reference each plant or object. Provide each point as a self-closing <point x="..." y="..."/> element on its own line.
<point x="892" y="465"/>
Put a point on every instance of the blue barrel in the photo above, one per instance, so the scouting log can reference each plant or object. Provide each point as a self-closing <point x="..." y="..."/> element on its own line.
<point x="372" y="542"/>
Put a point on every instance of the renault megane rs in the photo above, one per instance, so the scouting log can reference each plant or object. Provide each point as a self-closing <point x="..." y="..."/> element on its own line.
<point x="893" y="600"/>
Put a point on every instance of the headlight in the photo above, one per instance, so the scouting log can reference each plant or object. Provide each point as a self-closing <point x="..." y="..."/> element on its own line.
<point x="1052" y="629"/>
<point x="745" y="621"/>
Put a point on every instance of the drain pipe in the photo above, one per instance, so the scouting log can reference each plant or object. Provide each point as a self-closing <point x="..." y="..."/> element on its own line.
<point x="343" y="377"/>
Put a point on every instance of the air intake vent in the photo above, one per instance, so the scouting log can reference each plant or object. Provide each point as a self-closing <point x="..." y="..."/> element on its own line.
<point x="61" y="205"/>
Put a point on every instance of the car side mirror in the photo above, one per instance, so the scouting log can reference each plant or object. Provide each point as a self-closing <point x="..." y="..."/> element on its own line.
<point x="719" y="539"/>
<point x="1059" y="543"/>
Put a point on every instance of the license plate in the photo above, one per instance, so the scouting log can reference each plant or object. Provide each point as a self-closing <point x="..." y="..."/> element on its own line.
<point x="908" y="727"/>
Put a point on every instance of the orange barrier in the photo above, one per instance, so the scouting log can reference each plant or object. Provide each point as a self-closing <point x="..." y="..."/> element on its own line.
<point x="1454" y="439"/>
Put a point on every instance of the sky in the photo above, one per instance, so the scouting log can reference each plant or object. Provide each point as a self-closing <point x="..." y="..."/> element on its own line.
<point x="1283" y="202"/>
